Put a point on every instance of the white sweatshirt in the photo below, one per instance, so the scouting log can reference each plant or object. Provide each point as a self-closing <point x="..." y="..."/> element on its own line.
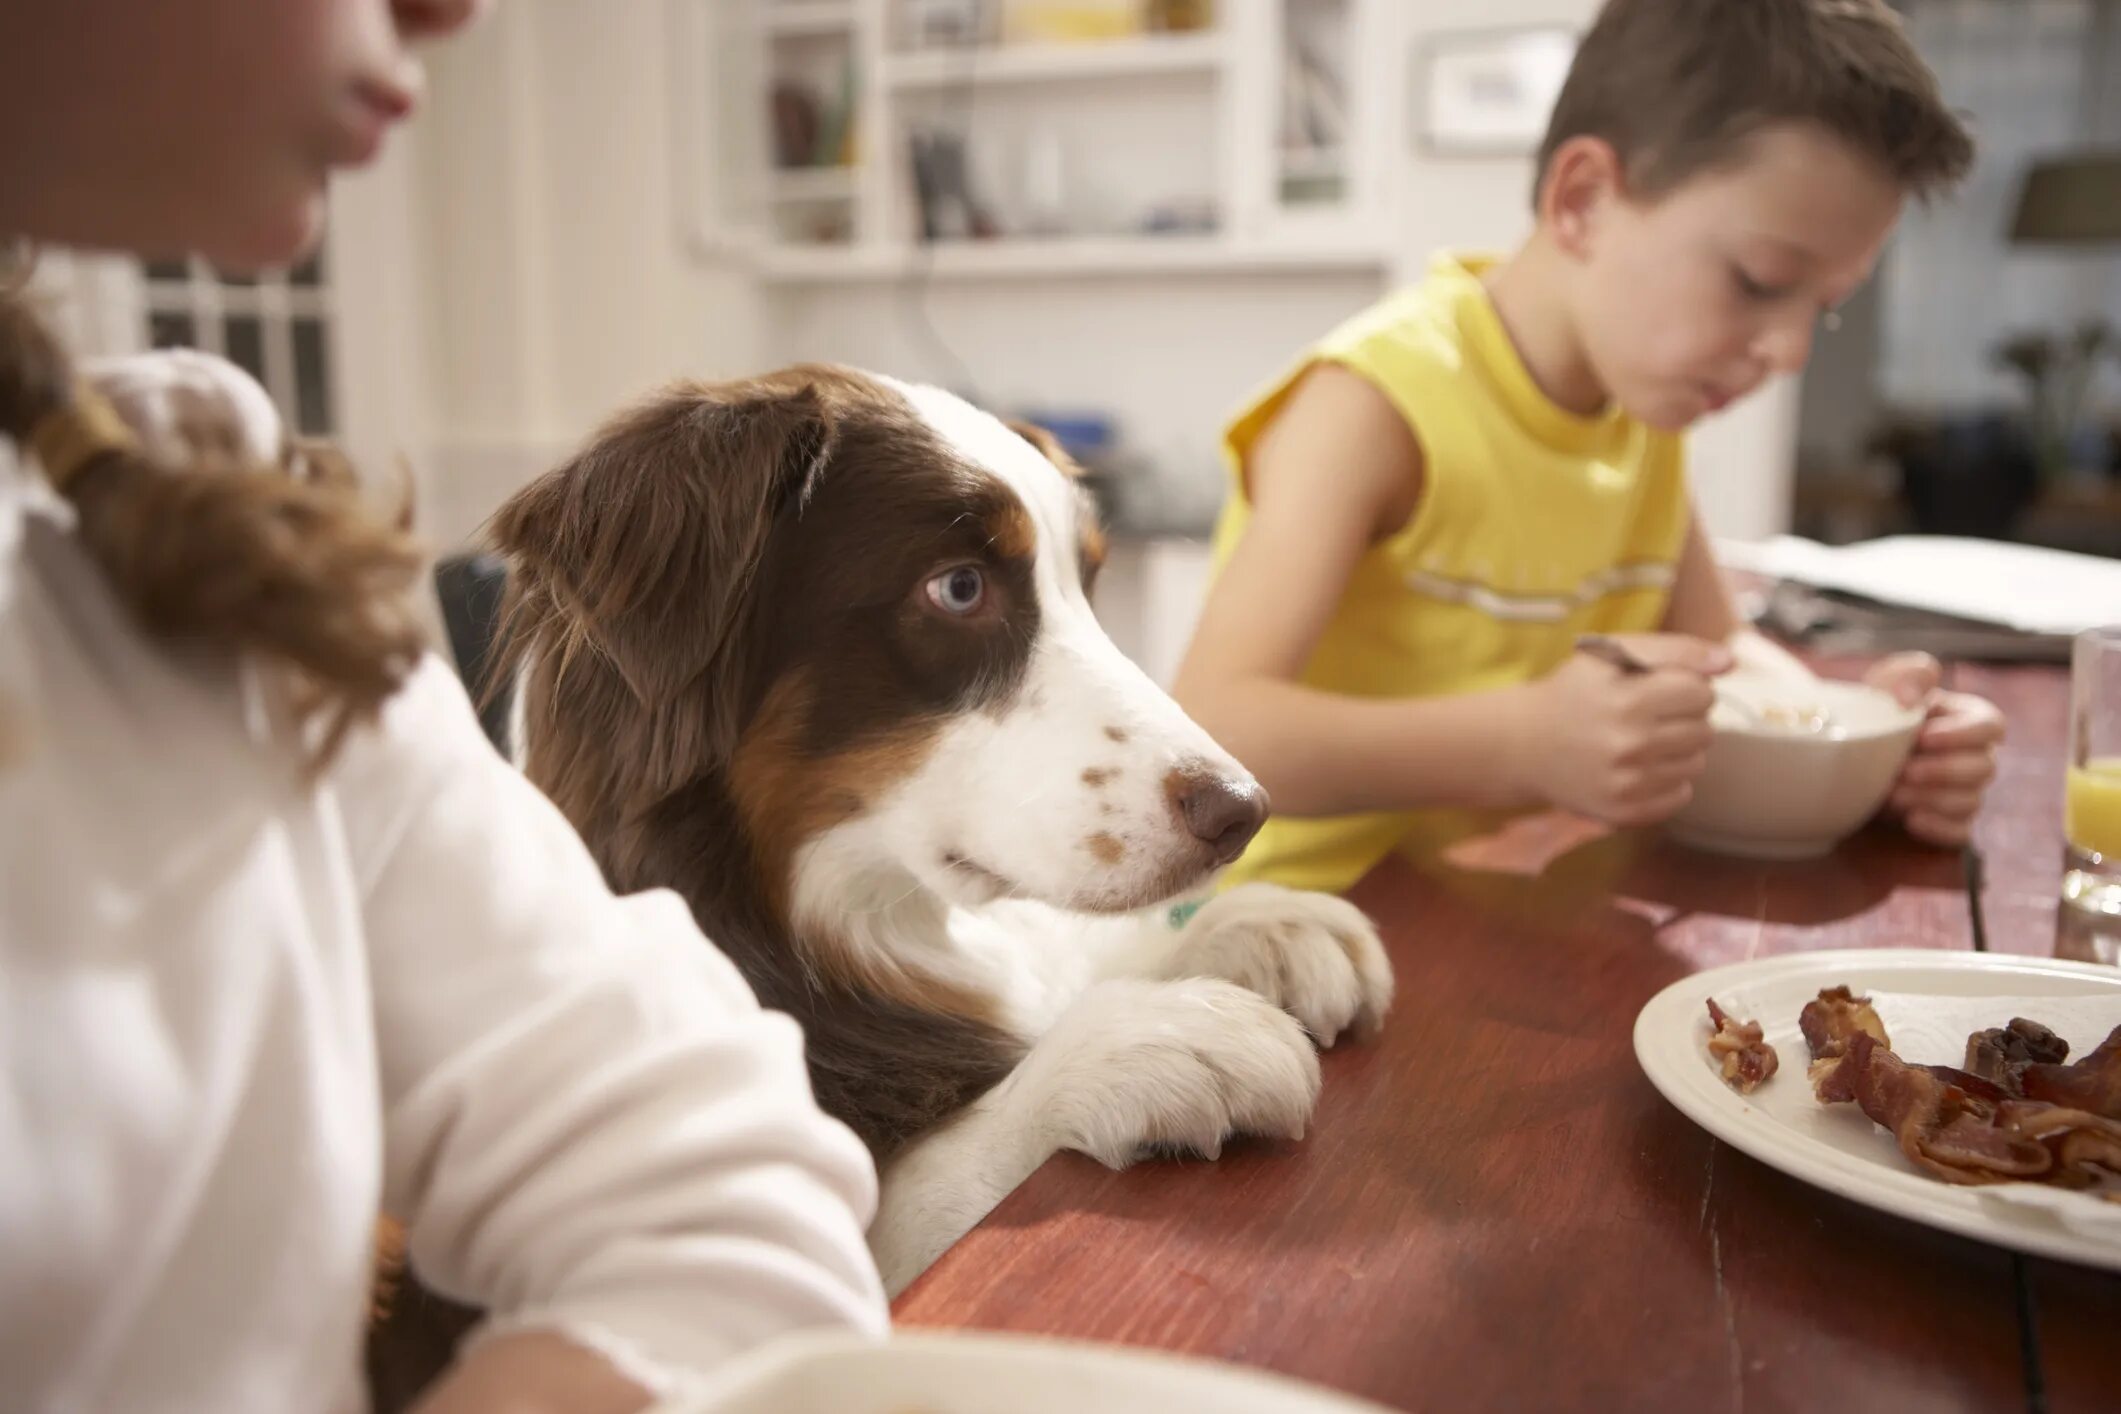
<point x="239" y="1016"/>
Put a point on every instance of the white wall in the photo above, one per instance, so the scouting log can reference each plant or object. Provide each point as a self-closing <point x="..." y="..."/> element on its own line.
<point x="1169" y="357"/>
<point x="558" y="285"/>
<point x="385" y="339"/>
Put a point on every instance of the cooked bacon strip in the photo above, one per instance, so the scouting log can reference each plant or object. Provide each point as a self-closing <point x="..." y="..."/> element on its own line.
<point x="1973" y="1126"/>
<point x="1748" y="1060"/>
<point x="1970" y="1148"/>
<point x="1837" y="1015"/>
<point x="1938" y="1125"/>
<point x="2086" y="1146"/>
<point x="2001" y="1054"/>
<point x="1980" y="1093"/>
<point x="2089" y="1152"/>
<point x="2093" y="1084"/>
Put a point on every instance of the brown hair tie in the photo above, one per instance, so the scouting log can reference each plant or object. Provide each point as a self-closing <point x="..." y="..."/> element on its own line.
<point x="71" y="436"/>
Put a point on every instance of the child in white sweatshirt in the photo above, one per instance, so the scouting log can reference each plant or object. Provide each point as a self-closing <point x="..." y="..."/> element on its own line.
<point x="283" y="943"/>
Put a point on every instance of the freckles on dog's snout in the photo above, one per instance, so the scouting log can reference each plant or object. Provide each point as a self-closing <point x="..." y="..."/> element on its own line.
<point x="1105" y="847"/>
<point x="1222" y="811"/>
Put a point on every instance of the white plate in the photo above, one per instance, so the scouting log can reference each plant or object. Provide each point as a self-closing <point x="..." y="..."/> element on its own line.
<point x="1836" y="1146"/>
<point x="960" y="1373"/>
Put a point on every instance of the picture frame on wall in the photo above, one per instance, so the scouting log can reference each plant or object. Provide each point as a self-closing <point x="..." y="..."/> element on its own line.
<point x="1488" y="93"/>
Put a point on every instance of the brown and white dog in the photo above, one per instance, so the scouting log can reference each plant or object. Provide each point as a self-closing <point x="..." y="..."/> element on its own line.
<point x="815" y="650"/>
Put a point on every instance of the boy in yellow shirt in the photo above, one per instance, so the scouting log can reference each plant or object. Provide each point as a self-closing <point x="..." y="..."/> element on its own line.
<point x="1452" y="488"/>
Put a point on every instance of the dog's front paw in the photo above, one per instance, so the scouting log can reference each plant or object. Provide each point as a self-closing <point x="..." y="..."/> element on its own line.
<point x="1312" y="954"/>
<point x="1135" y="1066"/>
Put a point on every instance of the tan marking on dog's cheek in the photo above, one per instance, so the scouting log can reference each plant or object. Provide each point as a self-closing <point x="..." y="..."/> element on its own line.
<point x="1115" y="734"/>
<point x="1105" y="847"/>
<point x="787" y="799"/>
<point x="1098" y="777"/>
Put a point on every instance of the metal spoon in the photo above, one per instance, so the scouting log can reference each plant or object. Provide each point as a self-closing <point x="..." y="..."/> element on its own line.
<point x="1611" y="650"/>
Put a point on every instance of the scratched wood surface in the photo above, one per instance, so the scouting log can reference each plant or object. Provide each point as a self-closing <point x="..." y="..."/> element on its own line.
<point x="1494" y="1209"/>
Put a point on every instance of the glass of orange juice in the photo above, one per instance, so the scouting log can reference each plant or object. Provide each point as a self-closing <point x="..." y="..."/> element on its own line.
<point x="2091" y="882"/>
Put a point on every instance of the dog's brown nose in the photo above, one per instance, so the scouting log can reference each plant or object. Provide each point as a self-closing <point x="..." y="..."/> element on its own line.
<point x="1220" y="811"/>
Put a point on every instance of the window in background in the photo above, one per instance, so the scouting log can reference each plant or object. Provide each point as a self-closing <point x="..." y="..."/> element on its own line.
<point x="2031" y="77"/>
<point x="275" y="325"/>
<point x="1976" y="391"/>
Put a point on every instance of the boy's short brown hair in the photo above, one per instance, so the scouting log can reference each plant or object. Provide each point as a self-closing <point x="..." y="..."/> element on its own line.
<point x="1678" y="86"/>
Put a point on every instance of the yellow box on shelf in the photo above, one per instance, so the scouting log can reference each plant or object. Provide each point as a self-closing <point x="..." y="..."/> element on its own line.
<point x="1071" y="21"/>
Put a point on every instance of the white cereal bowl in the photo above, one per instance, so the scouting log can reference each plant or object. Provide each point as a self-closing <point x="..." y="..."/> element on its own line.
<point x="1775" y="792"/>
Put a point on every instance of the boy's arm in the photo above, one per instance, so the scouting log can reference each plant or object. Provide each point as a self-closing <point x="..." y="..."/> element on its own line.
<point x="1337" y="471"/>
<point x="1701" y="602"/>
<point x="1701" y="607"/>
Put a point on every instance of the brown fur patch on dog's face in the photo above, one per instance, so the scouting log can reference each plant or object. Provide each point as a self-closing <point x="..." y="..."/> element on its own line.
<point x="788" y="797"/>
<point x="850" y="604"/>
<point x="753" y="583"/>
<point x="658" y="586"/>
<point x="1011" y="533"/>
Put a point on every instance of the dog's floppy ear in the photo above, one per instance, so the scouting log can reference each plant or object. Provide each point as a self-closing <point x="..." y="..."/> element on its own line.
<point x="1049" y="446"/>
<point x="1091" y="535"/>
<point x="648" y="540"/>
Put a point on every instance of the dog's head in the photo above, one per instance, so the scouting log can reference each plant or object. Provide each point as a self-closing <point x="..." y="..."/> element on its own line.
<point x="861" y="607"/>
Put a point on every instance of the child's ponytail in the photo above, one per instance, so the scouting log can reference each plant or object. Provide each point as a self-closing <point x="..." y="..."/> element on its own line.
<point x="294" y="572"/>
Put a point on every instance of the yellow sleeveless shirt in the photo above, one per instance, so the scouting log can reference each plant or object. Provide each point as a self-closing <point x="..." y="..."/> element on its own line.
<point x="1534" y="526"/>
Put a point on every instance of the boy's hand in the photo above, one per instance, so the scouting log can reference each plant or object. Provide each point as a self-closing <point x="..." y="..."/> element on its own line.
<point x="1623" y="747"/>
<point x="1939" y="791"/>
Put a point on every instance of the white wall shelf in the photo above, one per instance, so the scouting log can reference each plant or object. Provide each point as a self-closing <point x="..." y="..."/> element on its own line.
<point x="801" y="17"/>
<point x="1079" y="257"/>
<point x="1082" y="138"/>
<point x="1039" y="63"/>
<point x="1313" y="163"/>
<point x="813" y="184"/>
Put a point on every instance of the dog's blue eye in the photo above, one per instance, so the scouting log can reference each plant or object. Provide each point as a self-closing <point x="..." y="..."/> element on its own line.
<point x="958" y="591"/>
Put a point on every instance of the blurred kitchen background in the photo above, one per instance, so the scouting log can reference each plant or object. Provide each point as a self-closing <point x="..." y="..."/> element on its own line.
<point x="1117" y="217"/>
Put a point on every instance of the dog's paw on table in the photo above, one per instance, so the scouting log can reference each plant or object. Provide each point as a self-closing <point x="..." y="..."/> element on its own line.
<point x="1137" y="1067"/>
<point x="1313" y="955"/>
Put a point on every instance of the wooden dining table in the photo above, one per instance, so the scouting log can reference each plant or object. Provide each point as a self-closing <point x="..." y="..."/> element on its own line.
<point x="1494" y="1209"/>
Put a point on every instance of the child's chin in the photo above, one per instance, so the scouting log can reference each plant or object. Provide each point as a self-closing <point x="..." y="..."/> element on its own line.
<point x="1666" y="414"/>
<point x="273" y="233"/>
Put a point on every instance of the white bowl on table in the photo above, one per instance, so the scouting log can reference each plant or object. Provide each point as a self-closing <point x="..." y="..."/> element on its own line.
<point x="957" y="1372"/>
<point x="1772" y="790"/>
